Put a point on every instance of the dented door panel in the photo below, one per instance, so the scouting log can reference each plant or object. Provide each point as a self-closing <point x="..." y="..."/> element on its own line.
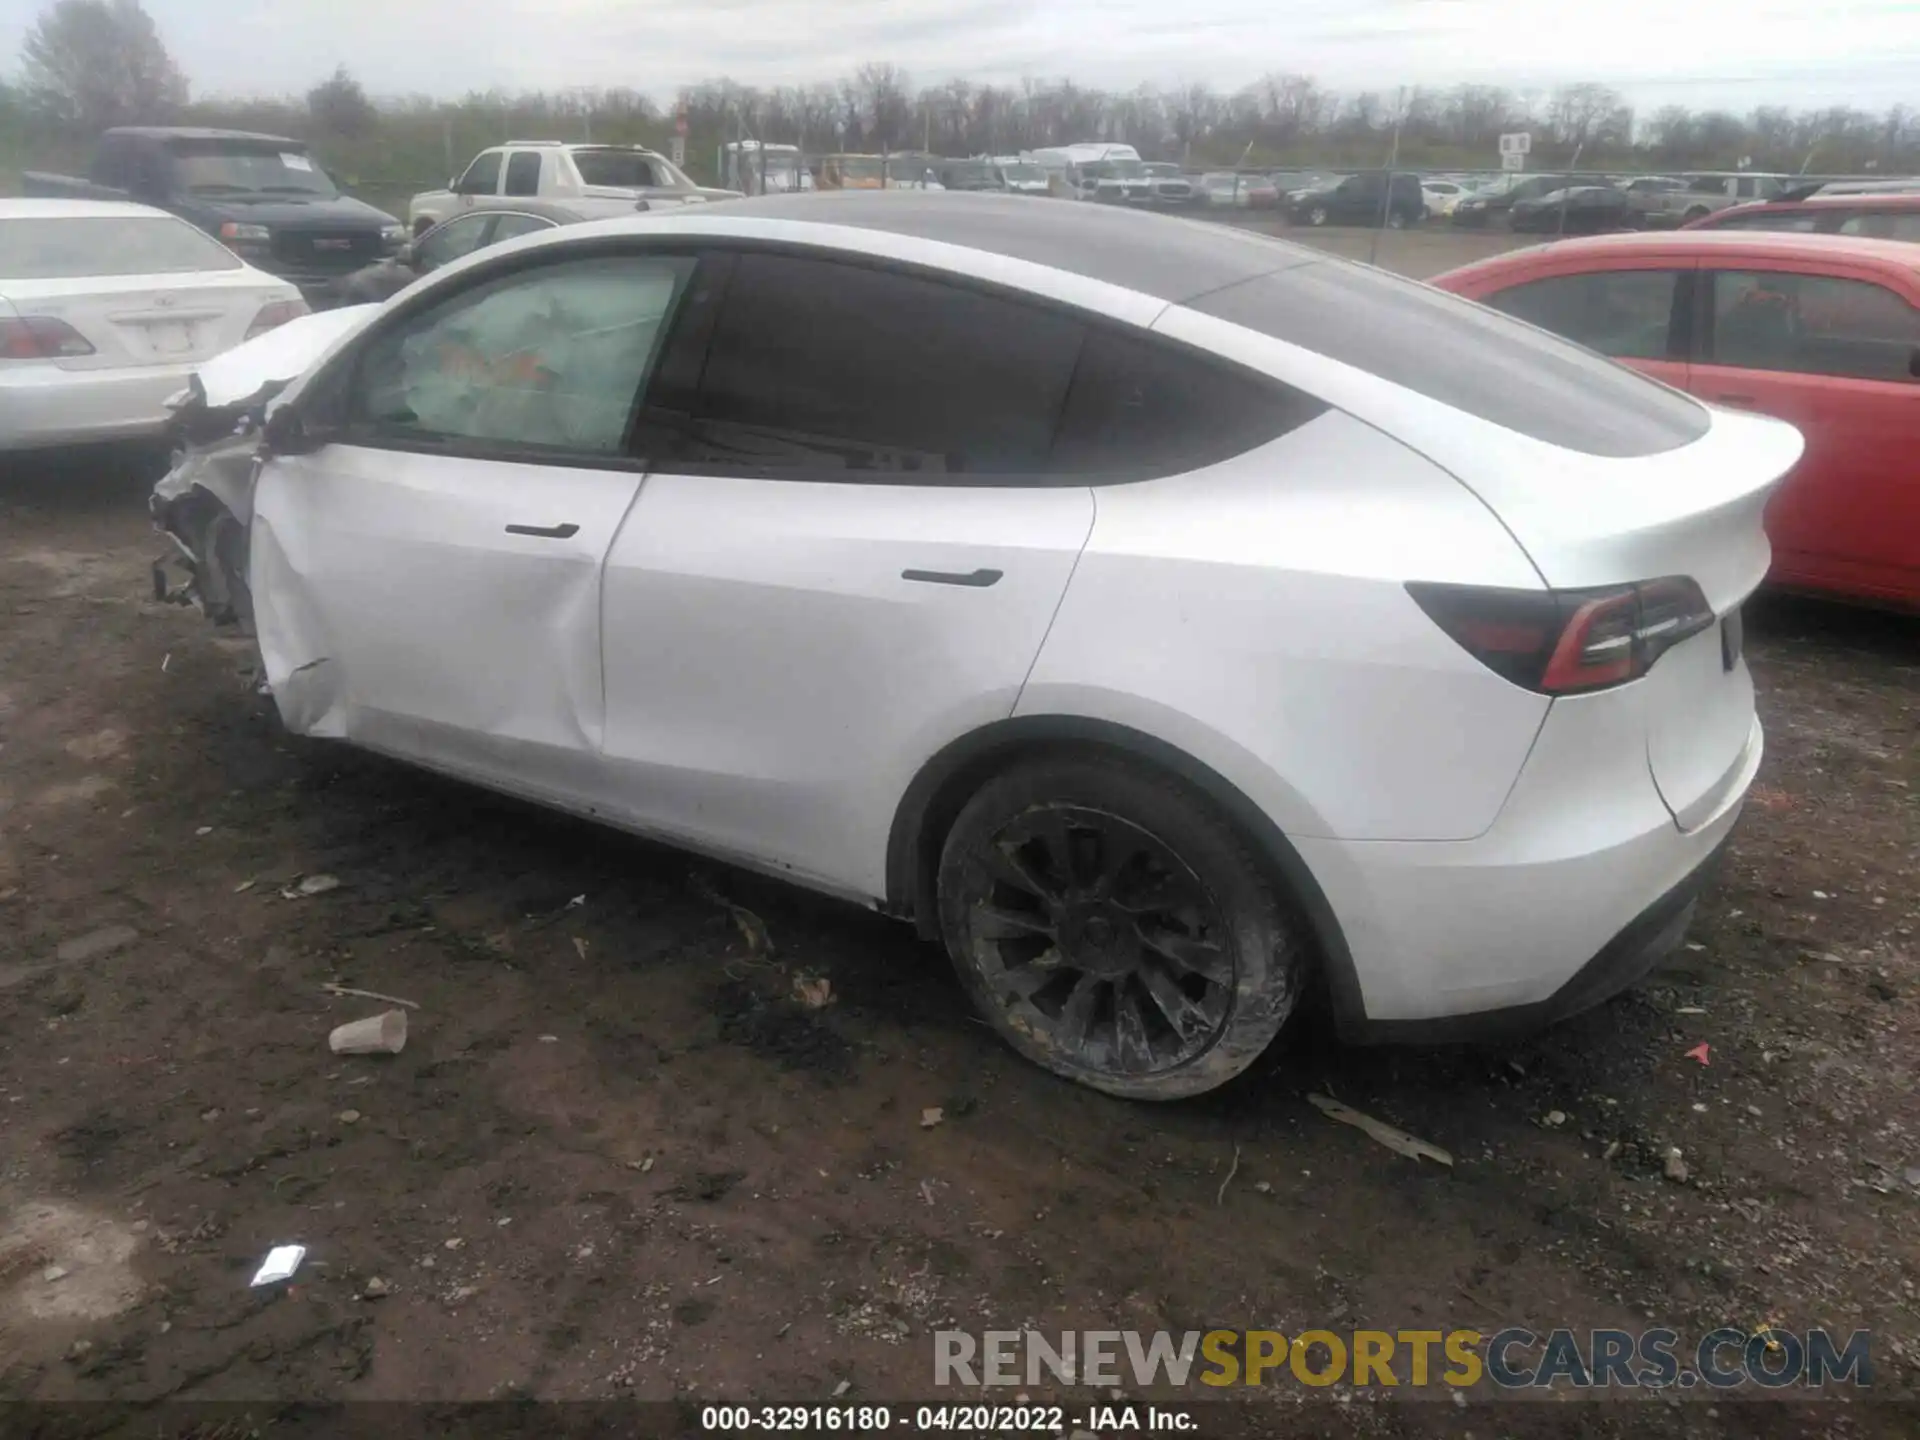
<point x="439" y="608"/>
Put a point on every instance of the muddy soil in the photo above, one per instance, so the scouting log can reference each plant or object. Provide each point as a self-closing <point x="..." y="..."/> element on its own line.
<point x="628" y="1153"/>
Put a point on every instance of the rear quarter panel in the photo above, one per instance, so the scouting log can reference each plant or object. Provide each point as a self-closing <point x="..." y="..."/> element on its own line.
<point x="1254" y="614"/>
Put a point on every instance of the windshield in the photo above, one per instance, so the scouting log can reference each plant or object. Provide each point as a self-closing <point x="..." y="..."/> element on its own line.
<point x="980" y="174"/>
<point x="632" y="170"/>
<point x="46" y="249"/>
<point x="1125" y="169"/>
<point x="1023" y="173"/>
<point x="214" y="167"/>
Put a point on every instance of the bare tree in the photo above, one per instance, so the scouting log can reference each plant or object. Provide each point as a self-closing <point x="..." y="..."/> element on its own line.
<point x="886" y="102"/>
<point x="1580" y="114"/>
<point x="97" y="63"/>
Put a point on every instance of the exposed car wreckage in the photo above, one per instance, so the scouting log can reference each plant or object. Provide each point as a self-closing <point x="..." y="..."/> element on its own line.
<point x="204" y="505"/>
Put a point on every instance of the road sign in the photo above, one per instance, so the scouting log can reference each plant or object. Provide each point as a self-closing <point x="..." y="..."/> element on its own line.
<point x="677" y="149"/>
<point x="680" y="123"/>
<point x="1519" y="142"/>
<point x="1513" y="160"/>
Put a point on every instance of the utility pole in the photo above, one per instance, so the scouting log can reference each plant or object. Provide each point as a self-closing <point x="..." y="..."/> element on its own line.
<point x="1572" y="166"/>
<point x="1393" y="159"/>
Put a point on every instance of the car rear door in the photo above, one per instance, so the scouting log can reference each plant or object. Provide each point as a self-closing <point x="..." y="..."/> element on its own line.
<point x="846" y="554"/>
<point x="426" y="573"/>
<point x="1833" y="350"/>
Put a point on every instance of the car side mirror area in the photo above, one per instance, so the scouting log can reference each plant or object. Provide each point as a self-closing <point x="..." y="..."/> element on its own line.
<point x="643" y="205"/>
<point x="289" y="432"/>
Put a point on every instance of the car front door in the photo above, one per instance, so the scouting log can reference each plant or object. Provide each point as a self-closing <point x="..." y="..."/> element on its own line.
<point x="426" y="562"/>
<point x="846" y="554"/>
<point x="482" y="177"/>
<point x="1836" y="356"/>
<point x="1636" y="312"/>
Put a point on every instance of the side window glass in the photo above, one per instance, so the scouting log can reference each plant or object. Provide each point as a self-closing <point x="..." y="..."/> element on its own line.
<point x="511" y="227"/>
<point x="1141" y="407"/>
<point x="1800" y="221"/>
<point x="523" y="173"/>
<point x="1883" y="224"/>
<point x="1627" y="314"/>
<point x="552" y="358"/>
<point x="483" y="175"/>
<point x="1813" y="324"/>
<point x="446" y="243"/>
<point x="824" y="366"/>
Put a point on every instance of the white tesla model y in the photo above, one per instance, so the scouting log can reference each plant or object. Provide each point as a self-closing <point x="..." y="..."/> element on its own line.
<point x="1163" y="617"/>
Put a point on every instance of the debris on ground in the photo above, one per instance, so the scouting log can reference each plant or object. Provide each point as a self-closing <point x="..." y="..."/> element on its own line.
<point x="1220" y="1195"/>
<point x="376" y="1289"/>
<point x="309" y="885"/>
<point x="382" y="1034"/>
<point x="349" y="1117"/>
<point x="1554" y="1119"/>
<point x="1700" y="1053"/>
<point x="281" y="1262"/>
<point x="1675" y="1168"/>
<point x="813" y="991"/>
<point x="348" y="990"/>
<point x="752" y="928"/>
<point x="931" y="1116"/>
<point x="1391" y="1136"/>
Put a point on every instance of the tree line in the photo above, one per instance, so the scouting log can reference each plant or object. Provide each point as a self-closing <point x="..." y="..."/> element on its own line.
<point x="88" y="64"/>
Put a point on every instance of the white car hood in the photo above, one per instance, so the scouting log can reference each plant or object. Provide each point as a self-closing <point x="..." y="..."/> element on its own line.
<point x="279" y="356"/>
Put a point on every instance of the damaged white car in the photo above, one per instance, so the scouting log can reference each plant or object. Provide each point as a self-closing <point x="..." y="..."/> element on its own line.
<point x="1168" y="619"/>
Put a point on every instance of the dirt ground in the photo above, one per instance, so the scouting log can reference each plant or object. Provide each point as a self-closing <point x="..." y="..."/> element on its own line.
<point x="619" y="1158"/>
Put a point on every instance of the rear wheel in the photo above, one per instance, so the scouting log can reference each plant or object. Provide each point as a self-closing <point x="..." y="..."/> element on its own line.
<point x="1115" y="929"/>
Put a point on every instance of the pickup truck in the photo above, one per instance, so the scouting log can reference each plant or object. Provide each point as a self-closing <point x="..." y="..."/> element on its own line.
<point x="263" y="196"/>
<point x="1663" y="203"/>
<point x="554" y="170"/>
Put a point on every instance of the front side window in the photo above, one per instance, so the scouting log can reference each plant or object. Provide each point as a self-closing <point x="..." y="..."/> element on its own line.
<point x="483" y="175"/>
<point x="1813" y="325"/>
<point x="50" y="249"/>
<point x="523" y="173"/>
<point x="549" y="358"/>
<point x="446" y="243"/>
<point x="1627" y="314"/>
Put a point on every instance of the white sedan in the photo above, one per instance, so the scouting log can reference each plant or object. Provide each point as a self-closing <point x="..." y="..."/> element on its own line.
<point x="1441" y="196"/>
<point x="1165" y="618"/>
<point x="106" y="309"/>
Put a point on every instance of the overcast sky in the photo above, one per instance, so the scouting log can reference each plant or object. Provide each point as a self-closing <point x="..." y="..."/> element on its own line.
<point x="1733" y="53"/>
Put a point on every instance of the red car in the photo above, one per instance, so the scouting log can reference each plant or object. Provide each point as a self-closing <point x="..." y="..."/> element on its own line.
<point x="1893" y="216"/>
<point x="1819" y="330"/>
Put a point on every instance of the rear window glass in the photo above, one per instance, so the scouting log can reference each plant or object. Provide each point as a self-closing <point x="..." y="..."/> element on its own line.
<point x="45" y="248"/>
<point x="1464" y="355"/>
<point x="616" y="167"/>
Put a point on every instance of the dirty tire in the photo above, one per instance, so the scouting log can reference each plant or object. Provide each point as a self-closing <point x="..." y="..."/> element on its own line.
<point x="1317" y="215"/>
<point x="1155" y="962"/>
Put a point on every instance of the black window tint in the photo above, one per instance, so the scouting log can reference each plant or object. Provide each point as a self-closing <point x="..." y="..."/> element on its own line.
<point x="1813" y="325"/>
<point x="1627" y="314"/>
<point x="523" y="173"/>
<point x="1143" y="407"/>
<point x="1464" y="355"/>
<point x="818" y="365"/>
<point x="512" y="227"/>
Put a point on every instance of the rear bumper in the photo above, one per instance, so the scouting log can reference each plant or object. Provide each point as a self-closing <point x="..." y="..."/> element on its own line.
<point x="42" y="407"/>
<point x="1582" y="885"/>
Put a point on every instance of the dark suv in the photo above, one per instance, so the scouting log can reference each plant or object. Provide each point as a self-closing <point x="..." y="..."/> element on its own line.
<point x="1363" y="198"/>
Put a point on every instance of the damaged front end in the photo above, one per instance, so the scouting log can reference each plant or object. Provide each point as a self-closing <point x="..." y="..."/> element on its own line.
<point x="204" y="504"/>
<point x="205" y="501"/>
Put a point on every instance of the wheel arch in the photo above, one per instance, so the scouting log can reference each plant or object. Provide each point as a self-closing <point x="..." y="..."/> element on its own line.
<point x="936" y="795"/>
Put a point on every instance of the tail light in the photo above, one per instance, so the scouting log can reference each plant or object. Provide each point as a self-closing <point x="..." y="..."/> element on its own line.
<point x="40" y="337"/>
<point x="276" y="313"/>
<point x="1564" y="642"/>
